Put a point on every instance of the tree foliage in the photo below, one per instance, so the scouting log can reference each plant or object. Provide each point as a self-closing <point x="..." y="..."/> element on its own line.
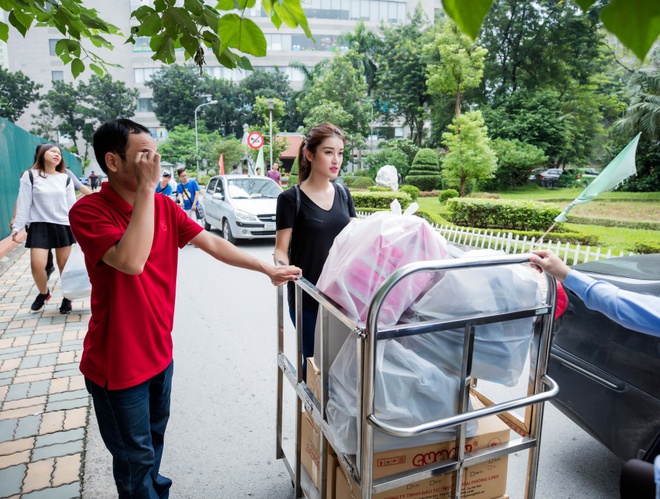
<point x="635" y="26"/>
<point x="108" y="99"/>
<point x="515" y="161"/>
<point x="470" y="157"/>
<point x="17" y="92"/>
<point x="460" y="66"/>
<point x="194" y="27"/>
<point x="401" y="78"/>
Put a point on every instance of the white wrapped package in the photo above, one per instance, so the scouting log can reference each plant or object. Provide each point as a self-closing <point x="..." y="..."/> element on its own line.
<point x="366" y="253"/>
<point x="409" y="391"/>
<point x="500" y="349"/>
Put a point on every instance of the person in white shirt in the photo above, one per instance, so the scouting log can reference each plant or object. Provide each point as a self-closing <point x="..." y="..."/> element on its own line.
<point x="45" y="196"/>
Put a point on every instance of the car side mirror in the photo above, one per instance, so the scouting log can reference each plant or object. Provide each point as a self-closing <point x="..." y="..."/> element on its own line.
<point x="218" y="196"/>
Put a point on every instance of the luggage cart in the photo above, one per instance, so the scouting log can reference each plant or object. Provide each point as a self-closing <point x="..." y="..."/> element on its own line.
<point x="540" y="387"/>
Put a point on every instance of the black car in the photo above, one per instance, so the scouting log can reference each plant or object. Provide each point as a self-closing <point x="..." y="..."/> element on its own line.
<point x="608" y="375"/>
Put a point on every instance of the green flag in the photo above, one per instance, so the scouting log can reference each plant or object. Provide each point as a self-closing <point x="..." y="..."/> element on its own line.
<point x="619" y="169"/>
<point x="260" y="162"/>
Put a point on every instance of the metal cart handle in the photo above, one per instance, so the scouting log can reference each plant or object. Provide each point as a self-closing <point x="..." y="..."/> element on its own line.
<point x="397" y="431"/>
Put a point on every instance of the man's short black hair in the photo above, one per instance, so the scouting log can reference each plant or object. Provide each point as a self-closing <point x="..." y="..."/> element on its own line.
<point x="112" y="136"/>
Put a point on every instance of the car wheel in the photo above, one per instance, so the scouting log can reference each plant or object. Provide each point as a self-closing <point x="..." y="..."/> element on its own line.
<point x="207" y="226"/>
<point x="585" y="184"/>
<point x="226" y="232"/>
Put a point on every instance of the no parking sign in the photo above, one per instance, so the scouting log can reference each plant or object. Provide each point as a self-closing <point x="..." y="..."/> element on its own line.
<point x="255" y="140"/>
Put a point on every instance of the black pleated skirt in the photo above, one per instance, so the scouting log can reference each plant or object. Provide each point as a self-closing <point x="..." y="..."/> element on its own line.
<point x="47" y="235"/>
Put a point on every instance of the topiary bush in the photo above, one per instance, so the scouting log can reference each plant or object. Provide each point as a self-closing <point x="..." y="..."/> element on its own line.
<point x="293" y="174"/>
<point x="410" y="189"/>
<point x="362" y="183"/>
<point x="425" y="170"/>
<point x="447" y="194"/>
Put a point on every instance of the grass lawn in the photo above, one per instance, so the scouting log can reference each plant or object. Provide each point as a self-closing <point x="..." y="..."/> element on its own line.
<point x="636" y="206"/>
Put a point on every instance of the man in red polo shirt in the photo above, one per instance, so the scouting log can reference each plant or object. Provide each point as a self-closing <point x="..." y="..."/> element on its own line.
<point x="130" y="238"/>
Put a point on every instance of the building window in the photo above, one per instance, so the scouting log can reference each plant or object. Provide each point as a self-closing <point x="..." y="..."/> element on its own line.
<point x="57" y="76"/>
<point x="143" y="75"/>
<point x="145" y="105"/>
<point x="51" y="45"/>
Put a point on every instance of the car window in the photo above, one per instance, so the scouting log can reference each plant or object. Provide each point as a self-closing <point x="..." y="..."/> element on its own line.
<point x="211" y="187"/>
<point x="253" y="188"/>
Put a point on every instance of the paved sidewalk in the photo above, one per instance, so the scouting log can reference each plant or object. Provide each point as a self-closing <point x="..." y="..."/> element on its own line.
<point x="44" y="407"/>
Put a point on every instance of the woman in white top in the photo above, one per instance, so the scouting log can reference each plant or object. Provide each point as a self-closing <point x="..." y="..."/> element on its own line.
<point x="45" y="196"/>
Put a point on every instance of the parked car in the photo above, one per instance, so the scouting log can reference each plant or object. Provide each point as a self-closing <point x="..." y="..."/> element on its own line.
<point x="549" y="177"/>
<point x="241" y="206"/>
<point x="609" y="375"/>
<point x="584" y="176"/>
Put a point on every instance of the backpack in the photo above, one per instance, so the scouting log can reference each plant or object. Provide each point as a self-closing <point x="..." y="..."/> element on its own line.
<point x="68" y="179"/>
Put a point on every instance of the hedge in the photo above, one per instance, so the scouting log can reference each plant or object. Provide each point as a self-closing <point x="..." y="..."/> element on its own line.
<point x="647" y="248"/>
<point x="410" y="189"/>
<point x="423" y="182"/>
<point x="501" y="214"/>
<point x="606" y="222"/>
<point x="362" y="183"/>
<point x="379" y="200"/>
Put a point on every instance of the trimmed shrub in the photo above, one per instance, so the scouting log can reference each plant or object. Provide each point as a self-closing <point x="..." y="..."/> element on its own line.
<point x="379" y="200"/>
<point x="447" y="194"/>
<point x="362" y="183"/>
<point x="410" y="189"/>
<point x="510" y="215"/>
<point x="484" y="195"/>
<point x="379" y="188"/>
<point x="425" y="170"/>
<point x="647" y="248"/>
<point x="293" y="174"/>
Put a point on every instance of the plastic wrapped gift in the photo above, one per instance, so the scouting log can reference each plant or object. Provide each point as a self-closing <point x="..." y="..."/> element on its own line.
<point x="500" y="349"/>
<point x="409" y="391"/>
<point x="368" y="251"/>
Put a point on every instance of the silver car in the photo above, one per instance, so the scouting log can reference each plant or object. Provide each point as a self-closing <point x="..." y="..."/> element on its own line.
<point x="241" y="206"/>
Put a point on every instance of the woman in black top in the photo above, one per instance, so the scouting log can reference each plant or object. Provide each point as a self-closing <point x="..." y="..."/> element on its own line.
<point x="309" y="228"/>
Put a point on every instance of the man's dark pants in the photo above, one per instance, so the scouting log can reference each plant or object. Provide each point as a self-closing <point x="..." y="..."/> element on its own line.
<point x="132" y="423"/>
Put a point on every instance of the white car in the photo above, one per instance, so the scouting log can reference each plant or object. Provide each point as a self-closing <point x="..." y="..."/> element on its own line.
<point x="241" y="206"/>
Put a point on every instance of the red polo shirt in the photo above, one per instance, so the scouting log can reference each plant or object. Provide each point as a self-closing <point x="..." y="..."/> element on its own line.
<point x="129" y="338"/>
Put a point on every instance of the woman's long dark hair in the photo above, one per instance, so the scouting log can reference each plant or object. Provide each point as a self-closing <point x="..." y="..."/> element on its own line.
<point x="39" y="163"/>
<point x="313" y="139"/>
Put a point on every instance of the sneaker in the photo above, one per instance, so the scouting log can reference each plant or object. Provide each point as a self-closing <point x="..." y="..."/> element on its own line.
<point x="41" y="300"/>
<point x="49" y="271"/>
<point x="65" y="307"/>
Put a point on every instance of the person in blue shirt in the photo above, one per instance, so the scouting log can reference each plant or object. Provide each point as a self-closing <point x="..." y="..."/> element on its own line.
<point x="187" y="192"/>
<point x="635" y="311"/>
<point x="164" y="187"/>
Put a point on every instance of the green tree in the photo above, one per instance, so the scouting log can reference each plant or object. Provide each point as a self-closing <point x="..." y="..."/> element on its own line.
<point x="177" y="91"/>
<point x="369" y="45"/>
<point x="180" y="145"/>
<point x="343" y="84"/>
<point x="386" y="156"/>
<point x="64" y="103"/>
<point x="192" y="27"/>
<point x="470" y="157"/>
<point x="231" y="111"/>
<point x="515" y="161"/>
<point x="17" y="92"/>
<point x="401" y="77"/>
<point x="461" y="63"/>
<point x="643" y="113"/>
<point x="230" y="147"/>
<point x="108" y="99"/>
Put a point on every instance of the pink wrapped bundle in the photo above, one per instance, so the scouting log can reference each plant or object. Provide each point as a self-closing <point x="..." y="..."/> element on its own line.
<point x="367" y="252"/>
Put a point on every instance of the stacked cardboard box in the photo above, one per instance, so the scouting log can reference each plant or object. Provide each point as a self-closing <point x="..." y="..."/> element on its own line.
<point x="486" y="480"/>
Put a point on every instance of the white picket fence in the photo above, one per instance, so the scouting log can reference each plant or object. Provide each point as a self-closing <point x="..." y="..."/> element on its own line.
<point x="507" y="242"/>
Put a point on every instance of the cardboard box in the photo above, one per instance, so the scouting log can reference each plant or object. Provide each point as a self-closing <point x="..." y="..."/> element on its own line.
<point x="490" y="479"/>
<point x="485" y="480"/>
<point x="310" y="452"/>
<point x="313" y="378"/>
